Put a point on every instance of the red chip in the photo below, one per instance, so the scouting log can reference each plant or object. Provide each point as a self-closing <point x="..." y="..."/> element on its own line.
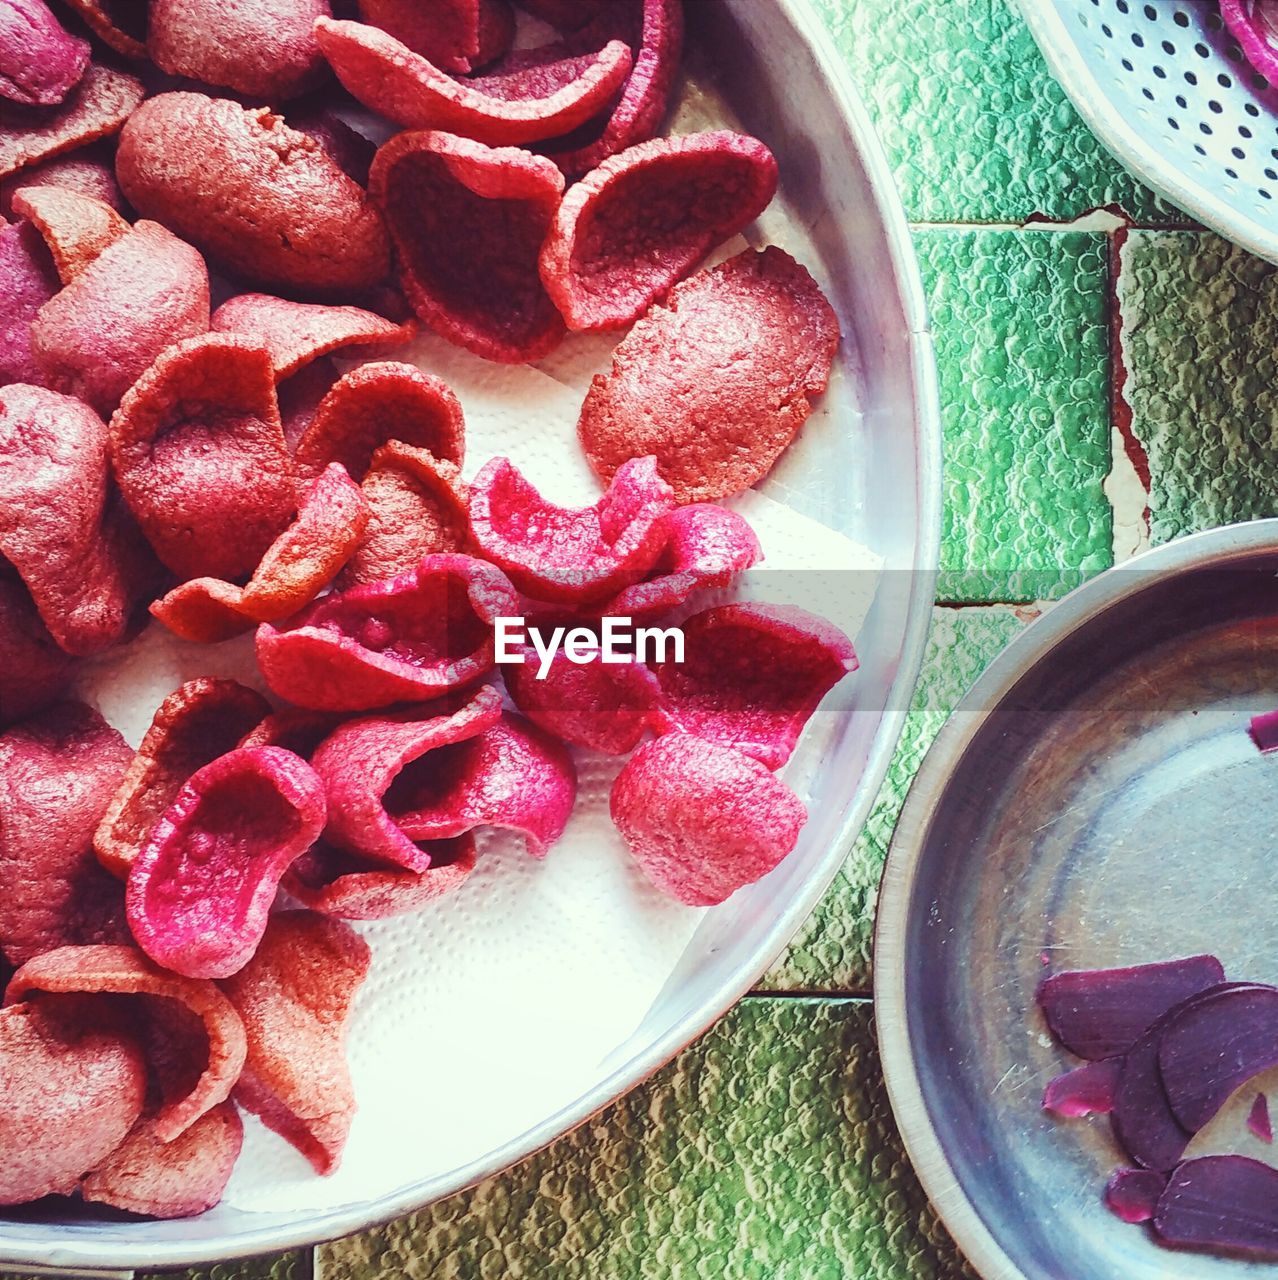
<point x="340" y="884"/>
<point x="446" y="31"/>
<point x="571" y="555"/>
<point x="57" y="774"/>
<point x="630" y="231"/>
<point x="751" y="676"/>
<point x="362" y="759"/>
<point x="376" y="403"/>
<point x="528" y="96"/>
<point x="142" y="293"/>
<point x="119" y="24"/>
<point x="28" y="279"/>
<point x="297" y="731"/>
<point x="201" y="887"/>
<point x="40" y="61"/>
<point x="88" y="172"/>
<point x="126" y="971"/>
<point x="701" y="819"/>
<point x="295" y="998"/>
<point x="299" y="332"/>
<point x="33" y="669"/>
<point x="76" y="227"/>
<point x="199" y="455"/>
<point x="408" y="639"/>
<point x="196" y="723"/>
<point x="417" y="507"/>
<point x="468" y="222"/>
<point x="297" y="566"/>
<point x="717" y="382"/>
<point x="512" y="775"/>
<point x="71" y="1093"/>
<point x="301" y="396"/>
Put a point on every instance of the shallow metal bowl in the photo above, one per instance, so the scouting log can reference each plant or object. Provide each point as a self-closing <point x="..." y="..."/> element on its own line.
<point x="1095" y="800"/>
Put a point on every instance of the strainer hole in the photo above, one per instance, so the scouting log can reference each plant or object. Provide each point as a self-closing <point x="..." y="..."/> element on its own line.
<point x="1127" y="65"/>
<point x="1204" y="127"/>
<point x="1138" y="40"/>
<point x="1238" y="153"/>
<point x="1214" y="21"/>
<point x="1215" y="107"/>
<point x="1160" y="73"/>
<point x="1243" y="131"/>
<point x="1202" y="50"/>
<point x="1181" y="103"/>
<point x="1191" y="78"/>
<point x="1122" y="6"/>
<point x="1264" y="193"/>
<point x="1105" y="28"/>
<point x="1252" y="110"/>
<point x="1169" y="49"/>
<point x="1230" y="172"/>
<point x="1199" y="149"/>
<point x="1171" y="120"/>
<point x="1259" y="83"/>
<point x="1225" y="82"/>
<point x="1271" y="175"/>
<point x="1151" y="13"/>
<point x="1180" y="17"/>
<point x="1148" y="94"/>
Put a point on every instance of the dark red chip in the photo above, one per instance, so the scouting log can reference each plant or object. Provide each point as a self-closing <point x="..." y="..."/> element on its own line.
<point x="89" y="171"/>
<point x="28" y="279"/>
<point x="297" y="731"/>
<point x="445" y="32"/>
<point x="76" y="227"/>
<point x="40" y="61"/>
<point x="34" y="670"/>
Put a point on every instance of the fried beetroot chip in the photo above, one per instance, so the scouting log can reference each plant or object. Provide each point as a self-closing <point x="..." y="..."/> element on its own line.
<point x="263" y="50"/>
<point x="701" y="819"/>
<point x="71" y="1093"/>
<point x="297" y="566"/>
<point x="526" y="97"/>
<point x="630" y="231"/>
<point x="28" y="279"/>
<point x="750" y="677"/>
<point x="571" y="555"/>
<point x="177" y="1179"/>
<point x="34" y="670"/>
<point x="567" y="15"/>
<point x="201" y="886"/>
<point x="264" y="200"/>
<point x="76" y="227"/>
<point x="58" y="772"/>
<point x="297" y="731"/>
<point x="352" y="888"/>
<point x="119" y="24"/>
<point x="198" y="722"/>
<point x="199" y="455"/>
<point x="89" y="172"/>
<point x="361" y="760"/>
<point x="126" y="971"/>
<point x="301" y="396"/>
<point x="40" y="61"/>
<point x="54" y="516"/>
<point x="295" y="998"/>
<point x="408" y="639"/>
<point x="717" y="382"/>
<point x="98" y="106"/>
<point x="468" y="223"/>
<point x="446" y="32"/>
<point x="376" y="403"/>
<point x="299" y="332"/>
<point x="142" y="293"/>
<point x="513" y="775"/>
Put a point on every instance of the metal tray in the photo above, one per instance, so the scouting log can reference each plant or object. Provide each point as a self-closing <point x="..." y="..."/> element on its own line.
<point x="779" y="76"/>
<point x="1096" y="800"/>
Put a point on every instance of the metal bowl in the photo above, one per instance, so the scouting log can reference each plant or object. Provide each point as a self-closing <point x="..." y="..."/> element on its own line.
<point x="778" y="75"/>
<point x="1096" y="800"/>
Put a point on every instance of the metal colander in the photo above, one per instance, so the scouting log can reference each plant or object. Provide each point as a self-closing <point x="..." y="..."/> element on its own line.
<point x="1165" y="86"/>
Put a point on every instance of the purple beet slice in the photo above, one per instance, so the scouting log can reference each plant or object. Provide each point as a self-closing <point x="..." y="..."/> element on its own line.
<point x="40" y="61"/>
<point x="1132" y="1195"/>
<point x="1222" y="1204"/>
<point x="1100" y="1013"/>
<point x="1089" y="1090"/>
<point x="1259" y="1124"/>
<point x="1142" y="1118"/>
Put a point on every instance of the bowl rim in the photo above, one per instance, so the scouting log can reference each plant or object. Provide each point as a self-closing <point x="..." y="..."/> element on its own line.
<point x="1032" y="647"/>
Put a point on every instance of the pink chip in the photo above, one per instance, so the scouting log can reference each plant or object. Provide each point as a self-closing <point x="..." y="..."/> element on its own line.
<point x="201" y="887"/>
<point x="751" y="677"/>
<point x="571" y="555"/>
<point x="33" y="669"/>
<point x="76" y="227"/>
<point x="359" y="763"/>
<point x="630" y="231"/>
<point x="28" y="279"/>
<point x="89" y="172"/>
<point x="701" y="819"/>
<point x="445" y="31"/>
<point x="513" y="775"/>
<point x="408" y="639"/>
<point x="40" y="61"/>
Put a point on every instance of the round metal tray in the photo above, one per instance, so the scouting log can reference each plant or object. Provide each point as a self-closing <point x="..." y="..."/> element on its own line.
<point x="778" y="75"/>
<point x="1095" y="800"/>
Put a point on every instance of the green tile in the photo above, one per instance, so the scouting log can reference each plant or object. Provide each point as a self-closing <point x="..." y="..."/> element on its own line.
<point x="832" y="950"/>
<point x="767" y="1150"/>
<point x="283" y="1266"/>
<point x="975" y="127"/>
<point x="1022" y="348"/>
<point x="1199" y="333"/>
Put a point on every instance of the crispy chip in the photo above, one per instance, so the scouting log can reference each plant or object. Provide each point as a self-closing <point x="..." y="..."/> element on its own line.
<point x="295" y="997"/>
<point x="446" y="32"/>
<point x="40" y="61"/>
<point x="199" y="454"/>
<point x="119" y="24"/>
<point x="76" y="227"/>
<point x="202" y="885"/>
<point x="89" y="172"/>
<point x="408" y="639"/>
<point x="34" y="670"/>
<point x="717" y="382"/>
<point x="702" y="819"/>
<point x="297" y="731"/>
<point x="28" y="279"/>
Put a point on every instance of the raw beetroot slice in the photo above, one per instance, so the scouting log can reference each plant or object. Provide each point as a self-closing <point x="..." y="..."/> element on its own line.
<point x="75" y="226"/>
<point x="1254" y="24"/>
<point x="200" y="889"/>
<point x="512" y="775"/>
<point x="468" y="223"/>
<point x="630" y="231"/>
<point x="57" y="775"/>
<point x="28" y="279"/>
<point x="196" y="723"/>
<point x="1099" y="1013"/>
<point x="1226" y="1204"/>
<point x="40" y="61"/>
<point x="571" y="555"/>
<point x="408" y="639"/>
<point x="361" y="760"/>
<point x="298" y="565"/>
<point x="751" y="676"/>
<point x="199" y="454"/>
<point x="1132" y="1194"/>
<point x="702" y="820"/>
<point x="529" y="96"/>
<point x="1085" y="1091"/>
<point x="1259" y="1124"/>
<point x="1264" y="731"/>
<point x="126" y="971"/>
<point x="295" y="998"/>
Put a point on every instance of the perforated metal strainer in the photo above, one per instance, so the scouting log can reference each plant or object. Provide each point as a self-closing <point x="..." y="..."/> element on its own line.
<point x="1165" y="87"/>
